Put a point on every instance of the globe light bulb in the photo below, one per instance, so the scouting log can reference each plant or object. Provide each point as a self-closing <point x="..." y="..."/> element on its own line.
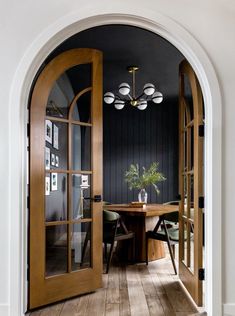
<point x="124" y="88"/>
<point x="119" y="104"/>
<point x="157" y="97"/>
<point x="142" y="104"/>
<point x="109" y="97"/>
<point x="149" y="89"/>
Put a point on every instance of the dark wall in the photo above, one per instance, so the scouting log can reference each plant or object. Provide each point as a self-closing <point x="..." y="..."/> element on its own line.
<point x="134" y="136"/>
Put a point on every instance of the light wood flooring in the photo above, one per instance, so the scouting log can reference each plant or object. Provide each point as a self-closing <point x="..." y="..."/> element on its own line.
<point x="133" y="290"/>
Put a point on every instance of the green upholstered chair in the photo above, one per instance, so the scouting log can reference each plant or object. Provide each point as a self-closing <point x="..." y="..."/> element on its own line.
<point x="167" y="230"/>
<point x="114" y="229"/>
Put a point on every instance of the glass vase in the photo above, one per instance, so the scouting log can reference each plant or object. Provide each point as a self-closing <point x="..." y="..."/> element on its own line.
<point x="143" y="196"/>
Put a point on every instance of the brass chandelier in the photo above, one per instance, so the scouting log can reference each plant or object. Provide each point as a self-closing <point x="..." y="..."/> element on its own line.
<point x="141" y="101"/>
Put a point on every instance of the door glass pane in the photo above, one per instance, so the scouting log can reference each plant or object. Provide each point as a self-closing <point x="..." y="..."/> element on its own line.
<point x="191" y="242"/>
<point x="185" y="194"/>
<point x="56" y="250"/>
<point x="185" y="243"/>
<point x="65" y="88"/>
<point x="81" y="194"/>
<point x="82" y="108"/>
<point x="56" y="134"/>
<point x="188" y="96"/>
<point x="191" y="162"/>
<point x="81" y="246"/>
<point x="81" y="147"/>
<point x="55" y="197"/>
<point x="60" y="97"/>
<point x="191" y="212"/>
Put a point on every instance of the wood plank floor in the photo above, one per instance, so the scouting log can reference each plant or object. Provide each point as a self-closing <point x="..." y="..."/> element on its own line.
<point x="133" y="290"/>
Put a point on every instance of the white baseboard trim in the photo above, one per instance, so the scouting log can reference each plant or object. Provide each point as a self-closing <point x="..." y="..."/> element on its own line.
<point x="229" y="310"/>
<point x="4" y="310"/>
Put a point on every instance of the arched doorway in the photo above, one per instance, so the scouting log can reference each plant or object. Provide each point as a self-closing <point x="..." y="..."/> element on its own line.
<point x="204" y="70"/>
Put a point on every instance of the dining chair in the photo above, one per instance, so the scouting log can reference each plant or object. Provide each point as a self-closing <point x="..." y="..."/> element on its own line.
<point x="115" y="230"/>
<point x="167" y="230"/>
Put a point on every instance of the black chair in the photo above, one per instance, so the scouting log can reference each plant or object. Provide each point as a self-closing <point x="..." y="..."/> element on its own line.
<point x="114" y="229"/>
<point x="167" y="230"/>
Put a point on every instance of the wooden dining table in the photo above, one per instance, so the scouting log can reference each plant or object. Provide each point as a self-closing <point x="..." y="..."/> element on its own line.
<point x="141" y="219"/>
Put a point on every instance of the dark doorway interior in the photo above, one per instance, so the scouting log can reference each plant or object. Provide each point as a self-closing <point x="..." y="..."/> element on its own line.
<point x="131" y="135"/>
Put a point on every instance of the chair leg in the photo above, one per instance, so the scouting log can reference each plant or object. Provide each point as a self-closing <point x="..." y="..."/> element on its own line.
<point x="173" y="250"/>
<point x="110" y="257"/>
<point x="105" y="251"/>
<point x="169" y="247"/>
<point x="146" y="249"/>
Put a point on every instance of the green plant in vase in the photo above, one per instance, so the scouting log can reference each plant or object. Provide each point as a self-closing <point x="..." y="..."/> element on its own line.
<point x="141" y="180"/>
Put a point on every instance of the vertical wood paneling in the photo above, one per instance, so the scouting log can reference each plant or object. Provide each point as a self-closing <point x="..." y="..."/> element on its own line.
<point x="133" y="136"/>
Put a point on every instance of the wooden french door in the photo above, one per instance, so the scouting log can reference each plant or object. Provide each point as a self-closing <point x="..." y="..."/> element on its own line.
<point x="66" y="178"/>
<point x="191" y="130"/>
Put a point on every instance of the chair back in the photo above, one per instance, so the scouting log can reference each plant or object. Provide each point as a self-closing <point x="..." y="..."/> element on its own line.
<point x="172" y="217"/>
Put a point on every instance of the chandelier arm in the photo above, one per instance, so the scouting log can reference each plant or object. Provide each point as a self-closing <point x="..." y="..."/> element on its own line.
<point x="130" y="97"/>
<point x="140" y="96"/>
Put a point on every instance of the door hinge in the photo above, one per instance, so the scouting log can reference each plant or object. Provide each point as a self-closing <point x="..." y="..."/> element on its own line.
<point x="201" y="202"/>
<point x="201" y="274"/>
<point x="28" y="202"/>
<point x="201" y="129"/>
<point x="28" y="129"/>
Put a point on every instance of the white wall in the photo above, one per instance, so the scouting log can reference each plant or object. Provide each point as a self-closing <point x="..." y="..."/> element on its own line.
<point x="211" y="23"/>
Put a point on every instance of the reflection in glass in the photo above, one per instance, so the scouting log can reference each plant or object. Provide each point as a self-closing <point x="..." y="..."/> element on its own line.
<point x="191" y="236"/>
<point x="56" y="199"/>
<point x="60" y="97"/>
<point x="81" y="194"/>
<point x="81" y="145"/>
<point x="185" y="244"/>
<point x="80" y="246"/>
<point x="191" y="162"/>
<point x="188" y="96"/>
<point x="191" y="213"/>
<point x="185" y="151"/>
<point x="82" y="109"/>
<point x="56" y="250"/>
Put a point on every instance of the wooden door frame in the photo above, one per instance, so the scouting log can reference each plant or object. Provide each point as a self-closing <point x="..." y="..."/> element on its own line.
<point x="20" y="89"/>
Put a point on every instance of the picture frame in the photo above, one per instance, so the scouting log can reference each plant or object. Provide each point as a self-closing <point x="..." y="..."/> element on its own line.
<point x="52" y="159"/>
<point x="47" y="158"/>
<point x="54" y="178"/>
<point x="55" y="136"/>
<point x="47" y="186"/>
<point x="48" y="131"/>
<point x="57" y="161"/>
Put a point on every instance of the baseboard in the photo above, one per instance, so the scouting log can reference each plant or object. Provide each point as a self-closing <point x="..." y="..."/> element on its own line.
<point x="4" y="310"/>
<point x="229" y="310"/>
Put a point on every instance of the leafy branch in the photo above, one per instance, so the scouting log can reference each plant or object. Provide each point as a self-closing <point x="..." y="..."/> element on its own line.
<point x="148" y="177"/>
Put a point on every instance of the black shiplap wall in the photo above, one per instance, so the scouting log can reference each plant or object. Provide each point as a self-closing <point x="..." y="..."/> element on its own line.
<point x="134" y="136"/>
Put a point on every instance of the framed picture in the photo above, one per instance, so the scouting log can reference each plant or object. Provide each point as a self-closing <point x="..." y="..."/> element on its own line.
<point x="56" y="161"/>
<point x="53" y="159"/>
<point x="54" y="182"/>
<point x="47" y="186"/>
<point x="55" y="137"/>
<point x="48" y="131"/>
<point x="47" y="158"/>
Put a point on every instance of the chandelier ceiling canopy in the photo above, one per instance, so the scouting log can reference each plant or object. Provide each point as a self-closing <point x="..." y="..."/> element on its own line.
<point x="127" y="94"/>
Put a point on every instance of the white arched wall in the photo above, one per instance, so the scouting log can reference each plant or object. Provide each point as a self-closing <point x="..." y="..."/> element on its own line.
<point x="31" y="61"/>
